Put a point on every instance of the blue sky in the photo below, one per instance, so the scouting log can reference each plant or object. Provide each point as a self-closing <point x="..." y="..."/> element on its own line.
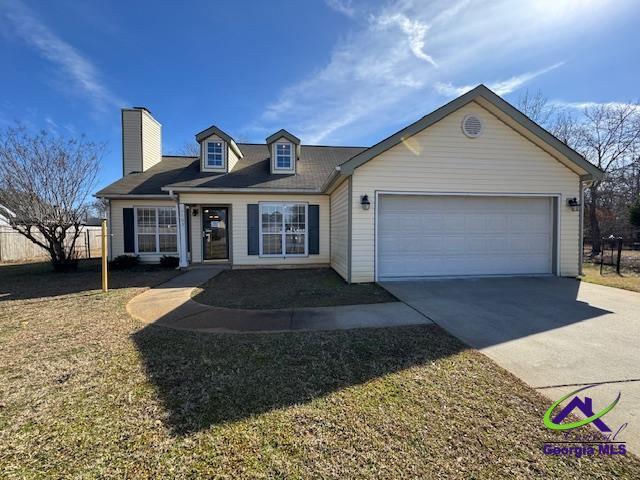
<point x="331" y="72"/>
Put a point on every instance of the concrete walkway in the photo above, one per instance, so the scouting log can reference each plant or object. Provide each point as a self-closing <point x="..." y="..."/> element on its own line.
<point x="170" y="305"/>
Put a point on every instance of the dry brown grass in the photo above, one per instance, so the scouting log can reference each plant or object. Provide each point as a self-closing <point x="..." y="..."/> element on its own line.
<point x="87" y="392"/>
<point x="628" y="280"/>
<point x="286" y="288"/>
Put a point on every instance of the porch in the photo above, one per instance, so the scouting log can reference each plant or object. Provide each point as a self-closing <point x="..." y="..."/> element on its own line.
<point x="226" y="229"/>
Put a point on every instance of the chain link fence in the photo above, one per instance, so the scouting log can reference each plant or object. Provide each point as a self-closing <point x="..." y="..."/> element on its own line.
<point x="618" y="254"/>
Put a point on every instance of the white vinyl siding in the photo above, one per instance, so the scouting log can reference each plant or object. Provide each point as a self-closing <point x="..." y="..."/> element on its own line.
<point x="116" y="226"/>
<point x="151" y="141"/>
<point x="131" y="141"/>
<point x="141" y="141"/>
<point x="340" y="230"/>
<point x="232" y="159"/>
<point x="237" y="204"/>
<point x="441" y="159"/>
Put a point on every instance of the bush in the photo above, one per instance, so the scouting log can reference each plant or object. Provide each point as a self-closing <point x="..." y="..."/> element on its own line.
<point x="168" y="261"/>
<point x="123" y="262"/>
<point x="65" y="266"/>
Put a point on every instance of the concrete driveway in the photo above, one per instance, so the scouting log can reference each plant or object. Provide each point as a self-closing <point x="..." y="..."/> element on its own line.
<point x="556" y="334"/>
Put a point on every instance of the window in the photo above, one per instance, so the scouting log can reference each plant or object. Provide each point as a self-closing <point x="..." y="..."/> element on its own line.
<point x="283" y="156"/>
<point x="215" y="155"/>
<point x="156" y="230"/>
<point x="283" y="229"/>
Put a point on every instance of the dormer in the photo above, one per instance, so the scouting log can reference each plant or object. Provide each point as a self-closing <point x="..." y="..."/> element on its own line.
<point x="219" y="153"/>
<point x="284" y="149"/>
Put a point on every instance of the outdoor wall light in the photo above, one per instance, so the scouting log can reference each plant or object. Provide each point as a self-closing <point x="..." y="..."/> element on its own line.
<point x="573" y="204"/>
<point x="194" y="212"/>
<point x="364" y="202"/>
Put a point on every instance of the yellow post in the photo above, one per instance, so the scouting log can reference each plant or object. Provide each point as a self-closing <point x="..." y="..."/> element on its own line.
<point x="105" y="280"/>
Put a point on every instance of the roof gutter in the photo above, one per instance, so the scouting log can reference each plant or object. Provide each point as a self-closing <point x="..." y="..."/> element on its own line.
<point x="333" y="178"/>
<point x="125" y="196"/>
<point x="239" y="190"/>
<point x="589" y="178"/>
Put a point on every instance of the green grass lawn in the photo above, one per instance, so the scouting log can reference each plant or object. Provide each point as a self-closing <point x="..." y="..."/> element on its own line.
<point x="290" y="288"/>
<point x="87" y="392"/>
<point x="627" y="280"/>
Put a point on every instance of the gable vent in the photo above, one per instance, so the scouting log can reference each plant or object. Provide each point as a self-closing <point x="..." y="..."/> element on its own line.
<point x="471" y="126"/>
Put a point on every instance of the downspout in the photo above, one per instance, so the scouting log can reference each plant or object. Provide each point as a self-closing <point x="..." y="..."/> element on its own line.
<point x="182" y="226"/>
<point x="110" y="244"/>
<point x="350" y="226"/>
<point x="581" y="227"/>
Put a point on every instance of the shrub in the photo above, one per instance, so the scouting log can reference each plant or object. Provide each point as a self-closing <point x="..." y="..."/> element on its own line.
<point x="65" y="266"/>
<point x="123" y="262"/>
<point x="168" y="261"/>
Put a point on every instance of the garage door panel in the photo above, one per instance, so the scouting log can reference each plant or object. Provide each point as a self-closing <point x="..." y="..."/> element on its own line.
<point x="454" y="223"/>
<point x="457" y="235"/>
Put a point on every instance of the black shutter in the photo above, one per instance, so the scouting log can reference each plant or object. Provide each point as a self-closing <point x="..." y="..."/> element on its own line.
<point x="253" y="229"/>
<point x="129" y="230"/>
<point x="314" y="229"/>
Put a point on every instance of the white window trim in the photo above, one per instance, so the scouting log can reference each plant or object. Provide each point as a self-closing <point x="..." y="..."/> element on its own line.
<point x="205" y="156"/>
<point x="274" y="156"/>
<point x="157" y="234"/>
<point x="284" y="233"/>
<point x="291" y="157"/>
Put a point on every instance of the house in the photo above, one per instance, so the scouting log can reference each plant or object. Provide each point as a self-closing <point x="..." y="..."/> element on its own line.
<point x="473" y="188"/>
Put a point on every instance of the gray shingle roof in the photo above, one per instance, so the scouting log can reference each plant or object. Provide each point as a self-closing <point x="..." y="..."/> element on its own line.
<point x="315" y="165"/>
<point x="150" y="182"/>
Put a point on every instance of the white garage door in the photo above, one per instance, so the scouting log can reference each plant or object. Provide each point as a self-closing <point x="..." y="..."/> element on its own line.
<point x="421" y="236"/>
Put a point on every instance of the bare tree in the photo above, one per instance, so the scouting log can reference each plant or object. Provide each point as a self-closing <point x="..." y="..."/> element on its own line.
<point x="99" y="208"/>
<point x="189" y="149"/>
<point x="45" y="184"/>
<point x="537" y="107"/>
<point x="607" y="137"/>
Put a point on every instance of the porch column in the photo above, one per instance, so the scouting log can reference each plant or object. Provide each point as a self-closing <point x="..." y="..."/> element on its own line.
<point x="182" y="235"/>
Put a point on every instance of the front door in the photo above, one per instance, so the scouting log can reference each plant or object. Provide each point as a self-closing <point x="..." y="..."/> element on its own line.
<point x="215" y="233"/>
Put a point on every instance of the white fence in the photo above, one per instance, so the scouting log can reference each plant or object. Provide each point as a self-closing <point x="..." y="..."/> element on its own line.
<point x="15" y="247"/>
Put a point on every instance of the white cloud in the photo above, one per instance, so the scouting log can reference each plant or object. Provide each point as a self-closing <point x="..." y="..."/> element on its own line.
<point x="400" y="59"/>
<point x="51" y="124"/>
<point x="507" y="86"/>
<point x="84" y="76"/>
<point x="583" y="105"/>
<point x="415" y="31"/>
<point x="449" y="90"/>
<point x="501" y="87"/>
<point x="342" y="6"/>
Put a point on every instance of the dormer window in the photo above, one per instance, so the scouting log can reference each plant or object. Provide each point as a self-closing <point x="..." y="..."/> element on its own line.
<point x="284" y="150"/>
<point x="284" y="157"/>
<point x="215" y="155"/>
<point x="219" y="153"/>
